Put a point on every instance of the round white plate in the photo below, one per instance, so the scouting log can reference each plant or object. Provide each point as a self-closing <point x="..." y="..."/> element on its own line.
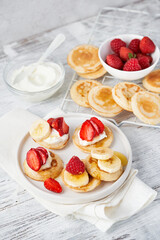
<point x="68" y="196"/>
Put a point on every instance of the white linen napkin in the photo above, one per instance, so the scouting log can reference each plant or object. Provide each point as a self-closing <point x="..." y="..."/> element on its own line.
<point x="130" y="198"/>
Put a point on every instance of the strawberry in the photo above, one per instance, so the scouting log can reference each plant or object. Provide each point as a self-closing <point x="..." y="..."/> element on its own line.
<point x="52" y="185"/>
<point x="75" y="166"/>
<point x="43" y="153"/>
<point x="116" y="44"/>
<point x="134" y="45"/>
<point x="98" y="123"/>
<point x="147" y="45"/>
<point x="34" y="159"/>
<point x="59" y="124"/>
<point x="139" y="55"/>
<point x="87" y="131"/>
<point x="114" y="61"/>
<point x="65" y="127"/>
<point x="144" y="62"/>
<point x="125" y="53"/>
<point x="96" y="128"/>
<point x="132" y="65"/>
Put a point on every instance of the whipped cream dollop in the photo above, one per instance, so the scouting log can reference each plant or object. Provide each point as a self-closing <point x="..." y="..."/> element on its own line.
<point x="36" y="77"/>
<point x="48" y="162"/>
<point x="54" y="137"/>
<point x="95" y="139"/>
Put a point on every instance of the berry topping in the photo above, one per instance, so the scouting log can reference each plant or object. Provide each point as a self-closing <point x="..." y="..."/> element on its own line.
<point x="98" y="123"/>
<point x="87" y="131"/>
<point x="59" y="124"/>
<point x="125" y="53"/>
<point x="116" y="44"/>
<point x="75" y="166"/>
<point x="114" y="61"/>
<point x="147" y="45"/>
<point x="134" y="45"/>
<point x="132" y="65"/>
<point x="139" y="55"/>
<point x="43" y="153"/>
<point x="34" y="159"/>
<point x="144" y="62"/>
<point x="52" y="185"/>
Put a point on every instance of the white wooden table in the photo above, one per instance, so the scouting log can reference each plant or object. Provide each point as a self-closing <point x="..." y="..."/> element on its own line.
<point x="21" y="217"/>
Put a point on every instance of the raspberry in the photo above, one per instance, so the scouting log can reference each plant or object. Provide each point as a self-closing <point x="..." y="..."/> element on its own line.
<point x="134" y="45"/>
<point x="75" y="166"/>
<point x="144" y="62"/>
<point x="114" y="61"/>
<point x="116" y="44"/>
<point x="132" y="65"/>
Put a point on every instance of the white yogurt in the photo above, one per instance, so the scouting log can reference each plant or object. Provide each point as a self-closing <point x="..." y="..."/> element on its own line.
<point x="48" y="162"/>
<point x="54" y="137"/>
<point x="36" y="77"/>
<point x="95" y="139"/>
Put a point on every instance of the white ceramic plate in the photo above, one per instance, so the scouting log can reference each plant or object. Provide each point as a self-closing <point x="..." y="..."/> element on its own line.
<point x="68" y="196"/>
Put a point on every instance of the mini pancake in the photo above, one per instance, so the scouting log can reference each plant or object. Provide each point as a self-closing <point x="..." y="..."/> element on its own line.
<point x="80" y="89"/>
<point x="146" y="106"/>
<point x="84" y="59"/>
<point x="152" y="81"/>
<point x="94" y="75"/>
<point x="123" y="92"/>
<point x="41" y="175"/>
<point x="101" y="101"/>
<point x="104" y="143"/>
<point x="93" y="169"/>
<point x="53" y="146"/>
<point x="93" y="183"/>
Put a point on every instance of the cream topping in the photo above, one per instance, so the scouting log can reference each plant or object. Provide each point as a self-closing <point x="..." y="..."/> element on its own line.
<point x="95" y="139"/>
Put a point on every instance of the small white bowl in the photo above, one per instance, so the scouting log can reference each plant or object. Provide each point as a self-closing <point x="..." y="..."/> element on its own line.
<point x="105" y="50"/>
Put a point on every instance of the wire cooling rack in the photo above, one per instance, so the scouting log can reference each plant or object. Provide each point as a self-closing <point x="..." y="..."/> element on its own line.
<point x="111" y="22"/>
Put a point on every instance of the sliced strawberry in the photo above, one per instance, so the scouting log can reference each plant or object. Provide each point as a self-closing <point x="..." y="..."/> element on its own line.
<point x="99" y="124"/>
<point x="96" y="128"/>
<point x="65" y="127"/>
<point x="52" y="185"/>
<point x="75" y="166"/>
<point x="87" y="131"/>
<point x="43" y="153"/>
<point x="50" y="121"/>
<point x="34" y="159"/>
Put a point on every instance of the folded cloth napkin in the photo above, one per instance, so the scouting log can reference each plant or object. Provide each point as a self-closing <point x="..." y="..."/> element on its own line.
<point x="131" y="197"/>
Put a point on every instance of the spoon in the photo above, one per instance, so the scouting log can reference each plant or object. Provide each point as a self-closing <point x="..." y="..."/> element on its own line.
<point x="52" y="47"/>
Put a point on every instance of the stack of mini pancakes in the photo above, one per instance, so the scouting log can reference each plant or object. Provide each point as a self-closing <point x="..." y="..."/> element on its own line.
<point x="85" y="61"/>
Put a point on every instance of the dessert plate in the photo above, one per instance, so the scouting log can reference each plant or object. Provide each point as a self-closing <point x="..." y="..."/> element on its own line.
<point x="68" y="196"/>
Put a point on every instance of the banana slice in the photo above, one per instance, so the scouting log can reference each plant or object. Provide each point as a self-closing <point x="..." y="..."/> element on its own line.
<point x="122" y="157"/>
<point x="76" y="180"/>
<point x="40" y="130"/>
<point x="112" y="165"/>
<point x="102" y="153"/>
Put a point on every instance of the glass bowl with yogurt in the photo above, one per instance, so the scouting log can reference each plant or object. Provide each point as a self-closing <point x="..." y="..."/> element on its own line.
<point x="33" y="81"/>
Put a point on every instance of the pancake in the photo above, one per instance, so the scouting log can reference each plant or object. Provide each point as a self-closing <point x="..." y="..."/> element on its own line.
<point x="84" y="59"/>
<point x="104" y="143"/>
<point x="93" y="183"/>
<point x="94" y="75"/>
<point x="93" y="169"/>
<point x="53" y="146"/>
<point x="152" y="81"/>
<point x="146" y="106"/>
<point x="80" y="89"/>
<point x="101" y="101"/>
<point x="123" y="92"/>
<point x="41" y="175"/>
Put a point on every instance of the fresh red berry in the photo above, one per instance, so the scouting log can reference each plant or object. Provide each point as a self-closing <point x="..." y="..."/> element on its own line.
<point x="59" y="124"/>
<point x="52" y="185"/>
<point x="116" y="44"/>
<point x="147" y="45"/>
<point x="139" y="55"/>
<point x="98" y="123"/>
<point x="96" y="128"/>
<point x="125" y="53"/>
<point x="114" y="61"/>
<point x="134" y="45"/>
<point x="43" y="153"/>
<point x="87" y="131"/>
<point x="34" y="159"/>
<point x="75" y="166"/>
<point x="132" y="65"/>
<point x="50" y="121"/>
<point x="144" y="62"/>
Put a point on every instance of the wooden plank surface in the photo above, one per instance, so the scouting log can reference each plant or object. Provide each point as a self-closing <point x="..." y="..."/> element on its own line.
<point x="24" y="218"/>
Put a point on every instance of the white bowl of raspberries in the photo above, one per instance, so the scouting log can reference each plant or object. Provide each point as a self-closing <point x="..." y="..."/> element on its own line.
<point x="129" y="56"/>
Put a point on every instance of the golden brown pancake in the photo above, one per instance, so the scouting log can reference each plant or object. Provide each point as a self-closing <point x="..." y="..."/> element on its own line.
<point x="152" y="81"/>
<point x="94" y="75"/>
